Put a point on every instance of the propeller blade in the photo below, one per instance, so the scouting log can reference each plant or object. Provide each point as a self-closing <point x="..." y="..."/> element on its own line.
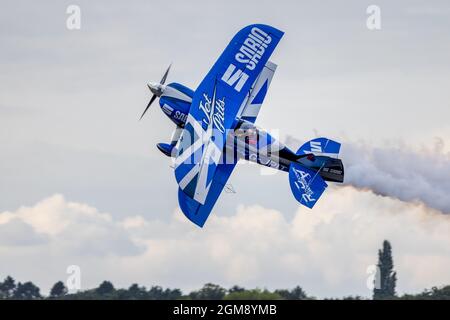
<point x="163" y="80"/>
<point x="156" y="91"/>
<point x="148" y="106"/>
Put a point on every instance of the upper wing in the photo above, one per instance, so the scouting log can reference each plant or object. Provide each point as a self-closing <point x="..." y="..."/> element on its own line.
<point x="215" y="105"/>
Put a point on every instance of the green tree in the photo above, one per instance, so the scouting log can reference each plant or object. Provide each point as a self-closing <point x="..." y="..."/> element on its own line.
<point x="440" y="293"/>
<point x="58" y="290"/>
<point x="386" y="277"/>
<point x="156" y="293"/>
<point x="295" y="294"/>
<point x="255" y="294"/>
<point x="105" y="288"/>
<point x="7" y="288"/>
<point x="433" y="294"/>
<point x="235" y="289"/>
<point x="353" y="298"/>
<point x="27" y="291"/>
<point x="135" y="292"/>
<point x="172" y="294"/>
<point x="208" y="292"/>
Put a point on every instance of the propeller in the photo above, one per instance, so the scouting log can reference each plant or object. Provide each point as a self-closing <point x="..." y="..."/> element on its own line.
<point x="157" y="89"/>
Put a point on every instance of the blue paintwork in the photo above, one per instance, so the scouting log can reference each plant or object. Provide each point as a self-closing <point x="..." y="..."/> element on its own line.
<point x="166" y="148"/>
<point x="306" y="185"/>
<point x="217" y="86"/>
<point x="180" y="108"/>
<point x="320" y="145"/>
<point x="187" y="91"/>
<point x="259" y="98"/>
<point x="196" y="212"/>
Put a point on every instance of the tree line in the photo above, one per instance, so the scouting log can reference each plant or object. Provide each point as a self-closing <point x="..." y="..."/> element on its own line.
<point x="384" y="288"/>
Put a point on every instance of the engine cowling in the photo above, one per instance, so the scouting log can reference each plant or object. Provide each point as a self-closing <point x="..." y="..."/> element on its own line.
<point x="175" y="102"/>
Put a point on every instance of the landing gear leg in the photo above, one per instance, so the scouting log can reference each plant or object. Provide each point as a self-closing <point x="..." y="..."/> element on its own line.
<point x="169" y="149"/>
<point x="176" y="135"/>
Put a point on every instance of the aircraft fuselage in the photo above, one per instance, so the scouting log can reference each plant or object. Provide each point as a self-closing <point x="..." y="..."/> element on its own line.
<point x="246" y="141"/>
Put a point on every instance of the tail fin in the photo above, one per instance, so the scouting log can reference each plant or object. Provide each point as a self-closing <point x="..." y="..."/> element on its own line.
<point x="306" y="185"/>
<point x="321" y="155"/>
<point x="321" y="147"/>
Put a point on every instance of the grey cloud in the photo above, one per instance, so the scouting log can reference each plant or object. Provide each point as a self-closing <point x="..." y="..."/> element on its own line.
<point x="18" y="233"/>
<point x="326" y="251"/>
<point x="66" y="226"/>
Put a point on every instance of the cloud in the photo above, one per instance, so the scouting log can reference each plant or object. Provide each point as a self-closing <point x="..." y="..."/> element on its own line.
<point x="66" y="226"/>
<point x="16" y="232"/>
<point x="327" y="251"/>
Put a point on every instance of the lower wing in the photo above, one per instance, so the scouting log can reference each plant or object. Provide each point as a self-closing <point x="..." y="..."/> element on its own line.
<point x="198" y="213"/>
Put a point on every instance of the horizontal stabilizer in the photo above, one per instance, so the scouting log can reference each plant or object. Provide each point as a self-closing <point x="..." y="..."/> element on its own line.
<point x="306" y="185"/>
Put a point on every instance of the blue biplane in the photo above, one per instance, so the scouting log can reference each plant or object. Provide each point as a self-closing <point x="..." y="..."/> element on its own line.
<point x="215" y="128"/>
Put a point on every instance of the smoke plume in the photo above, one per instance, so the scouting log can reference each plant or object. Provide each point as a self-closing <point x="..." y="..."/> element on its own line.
<point x="420" y="174"/>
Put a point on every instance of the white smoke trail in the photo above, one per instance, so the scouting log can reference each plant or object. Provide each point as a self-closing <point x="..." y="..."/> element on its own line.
<point x="401" y="172"/>
<point x="398" y="171"/>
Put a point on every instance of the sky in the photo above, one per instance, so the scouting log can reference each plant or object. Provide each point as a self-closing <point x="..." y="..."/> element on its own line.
<point x="82" y="183"/>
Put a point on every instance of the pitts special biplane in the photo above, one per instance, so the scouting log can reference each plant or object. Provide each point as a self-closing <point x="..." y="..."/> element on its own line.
<point x="215" y="128"/>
